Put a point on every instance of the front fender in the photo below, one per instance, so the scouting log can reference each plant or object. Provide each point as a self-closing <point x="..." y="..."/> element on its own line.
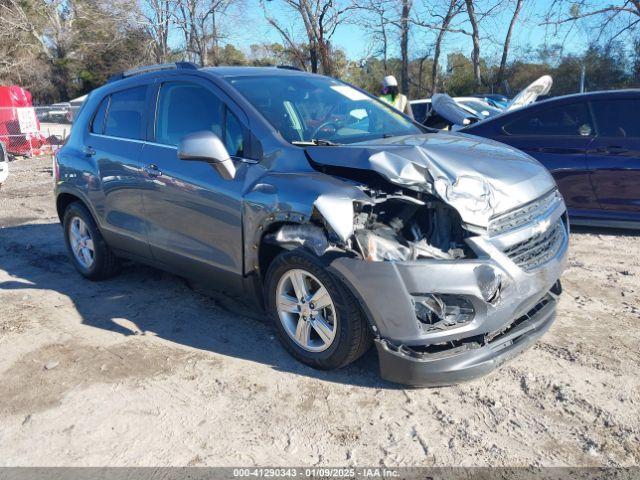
<point x="277" y="198"/>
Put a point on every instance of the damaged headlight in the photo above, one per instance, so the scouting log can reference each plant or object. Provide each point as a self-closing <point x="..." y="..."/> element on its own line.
<point x="376" y="248"/>
<point x="443" y="311"/>
<point x="468" y="193"/>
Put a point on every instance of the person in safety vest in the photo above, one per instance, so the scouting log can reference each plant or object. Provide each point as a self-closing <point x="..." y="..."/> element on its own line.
<point x="393" y="97"/>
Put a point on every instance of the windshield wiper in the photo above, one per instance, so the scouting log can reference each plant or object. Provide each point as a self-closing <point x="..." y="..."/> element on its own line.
<point x="315" y="142"/>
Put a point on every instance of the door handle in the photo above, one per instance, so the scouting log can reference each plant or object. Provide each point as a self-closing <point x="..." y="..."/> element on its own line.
<point x="152" y="170"/>
<point x="89" y="151"/>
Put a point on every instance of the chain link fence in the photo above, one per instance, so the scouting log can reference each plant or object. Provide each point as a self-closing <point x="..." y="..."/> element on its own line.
<point x="34" y="131"/>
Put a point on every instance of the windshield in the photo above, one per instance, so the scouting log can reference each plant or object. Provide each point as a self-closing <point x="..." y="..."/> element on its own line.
<point x="309" y="109"/>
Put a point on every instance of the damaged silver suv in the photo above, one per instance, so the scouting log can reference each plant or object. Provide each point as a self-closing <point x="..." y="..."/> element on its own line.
<point x="349" y="222"/>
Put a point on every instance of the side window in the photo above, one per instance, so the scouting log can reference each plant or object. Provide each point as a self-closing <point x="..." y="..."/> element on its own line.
<point x="125" y="118"/>
<point x="97" y="125"/>
<point x="185" y="108"/>
<point x="571" y="120"/>
<point x="234" y="135"/>
<point x="617" y="118"/>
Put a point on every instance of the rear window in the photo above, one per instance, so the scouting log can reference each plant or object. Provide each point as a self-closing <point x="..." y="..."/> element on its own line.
<point x="567" y="120"/>
<point x="617" y="118"/>
<point x="125" y="117"/>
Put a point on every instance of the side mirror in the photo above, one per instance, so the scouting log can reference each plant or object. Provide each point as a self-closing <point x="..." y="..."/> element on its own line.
<point x="205" y="146"/>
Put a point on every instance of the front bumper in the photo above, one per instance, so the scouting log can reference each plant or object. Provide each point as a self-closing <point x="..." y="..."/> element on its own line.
<point x="468" y="360"/>
<point x="388" y="291"/>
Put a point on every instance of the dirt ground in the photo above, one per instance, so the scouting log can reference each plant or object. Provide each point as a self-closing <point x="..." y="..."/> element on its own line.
<point x="144" y="370"/>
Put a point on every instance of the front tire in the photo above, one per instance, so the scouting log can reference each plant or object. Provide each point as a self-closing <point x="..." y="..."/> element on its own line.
<point x="87" y="250"/>
<point x="318" y="320"/>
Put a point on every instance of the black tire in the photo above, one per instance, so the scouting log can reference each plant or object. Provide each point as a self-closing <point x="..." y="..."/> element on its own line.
<point x="353" y="335"/>
<point x="105" y="263"/>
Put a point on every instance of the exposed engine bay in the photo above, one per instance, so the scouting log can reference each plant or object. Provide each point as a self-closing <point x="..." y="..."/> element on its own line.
<point x="402" y="227"/>
<point x="395" y="225"/>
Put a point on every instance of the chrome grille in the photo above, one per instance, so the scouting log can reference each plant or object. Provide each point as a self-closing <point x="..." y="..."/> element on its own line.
<point x="539" y="249"/>
<point x="525" y="214"/>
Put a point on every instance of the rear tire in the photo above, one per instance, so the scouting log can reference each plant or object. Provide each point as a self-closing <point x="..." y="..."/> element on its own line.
<point x="350" y="336"/>
<point x="87" y="250"/>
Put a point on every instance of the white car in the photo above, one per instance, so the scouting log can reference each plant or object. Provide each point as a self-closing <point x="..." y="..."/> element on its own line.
<point x="477" y="106"/>
<point x="4" y="163"/>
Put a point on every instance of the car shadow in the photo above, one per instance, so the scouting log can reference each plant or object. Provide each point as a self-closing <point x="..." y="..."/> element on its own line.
<point x="145" y="301"/>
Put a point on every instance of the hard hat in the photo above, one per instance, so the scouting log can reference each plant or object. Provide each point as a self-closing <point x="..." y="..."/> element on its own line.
<point x="389" y="81"/>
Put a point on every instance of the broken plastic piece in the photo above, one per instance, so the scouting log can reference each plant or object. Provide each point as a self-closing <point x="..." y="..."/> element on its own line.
<point x="443" y="311"/>
<point x="376" y="248"/>
<point x="384" y="247"/>
<point x="338" y="212"/>
<point x="422" y="249"/>
<point x="308" y="236"/>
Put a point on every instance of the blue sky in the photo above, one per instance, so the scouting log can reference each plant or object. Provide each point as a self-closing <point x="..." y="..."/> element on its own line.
<point x="253" y="28"/>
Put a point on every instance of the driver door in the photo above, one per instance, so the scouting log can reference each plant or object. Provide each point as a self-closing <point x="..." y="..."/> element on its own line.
<point x="194" y="215"/>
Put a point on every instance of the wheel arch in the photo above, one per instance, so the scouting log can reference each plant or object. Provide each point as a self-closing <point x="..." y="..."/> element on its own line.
<point x="66" y="197"/>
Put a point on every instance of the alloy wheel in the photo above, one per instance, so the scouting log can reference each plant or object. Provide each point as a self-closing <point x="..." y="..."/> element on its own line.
<point x="81" y="243"/>
<point x="306" y="310"/>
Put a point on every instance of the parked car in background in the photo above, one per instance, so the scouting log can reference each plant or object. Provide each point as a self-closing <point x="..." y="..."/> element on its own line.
<point x="351" y="223"/>
<point x="74" y="107"/>
<point x="56" y="113"/>
<point x="590" y="143"/>
<point x="479" y="106"/>
<point x="494" y="99"/>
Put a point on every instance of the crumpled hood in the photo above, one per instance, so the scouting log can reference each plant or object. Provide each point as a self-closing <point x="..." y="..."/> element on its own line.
<point x="514" y="177"/>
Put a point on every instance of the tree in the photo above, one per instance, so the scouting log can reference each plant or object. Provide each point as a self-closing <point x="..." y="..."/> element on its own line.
<point x="507" y="41"/>
<point x="612" y="20"/>
<point x="404" y="44"/>
<point x="453" y="9"/>
<point x="156" y="17"/>
<point x="320" y="19"/>
<point x="199" y="20"/>
<point x="475" y="37"/>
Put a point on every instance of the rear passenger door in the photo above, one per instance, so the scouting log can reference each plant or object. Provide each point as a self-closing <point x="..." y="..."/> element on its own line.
<point x="194" y="215"/>
<point x="558" y="136"/>
<point x="614" y="156"/>
<point x="115" y="139"/>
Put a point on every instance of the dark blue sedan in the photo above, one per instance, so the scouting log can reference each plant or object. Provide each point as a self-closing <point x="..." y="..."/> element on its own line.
<point x="591" y="144"/>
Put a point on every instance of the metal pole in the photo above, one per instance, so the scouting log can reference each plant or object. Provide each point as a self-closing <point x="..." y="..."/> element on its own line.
<point x="582" y="71"/>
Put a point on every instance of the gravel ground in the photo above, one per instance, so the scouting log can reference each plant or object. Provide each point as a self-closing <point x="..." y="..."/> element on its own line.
<point x="143" y="369"/>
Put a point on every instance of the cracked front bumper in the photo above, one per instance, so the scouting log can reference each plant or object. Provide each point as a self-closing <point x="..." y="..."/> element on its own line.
<point x="467" y="361"/>
<point x="387" y="292"/>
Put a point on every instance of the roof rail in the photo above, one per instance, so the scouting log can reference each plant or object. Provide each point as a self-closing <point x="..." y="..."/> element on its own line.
<point x="153" y="68"/>
<point x="288" y="67"/>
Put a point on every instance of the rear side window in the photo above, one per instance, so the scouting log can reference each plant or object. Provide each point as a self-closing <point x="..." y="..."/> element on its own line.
<point x="185" y="108"/>
<point x="97" y="125"/>
<point x="567" y="120"/>
<point x="125" y="116"/>
<point x="617" y="118"/>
